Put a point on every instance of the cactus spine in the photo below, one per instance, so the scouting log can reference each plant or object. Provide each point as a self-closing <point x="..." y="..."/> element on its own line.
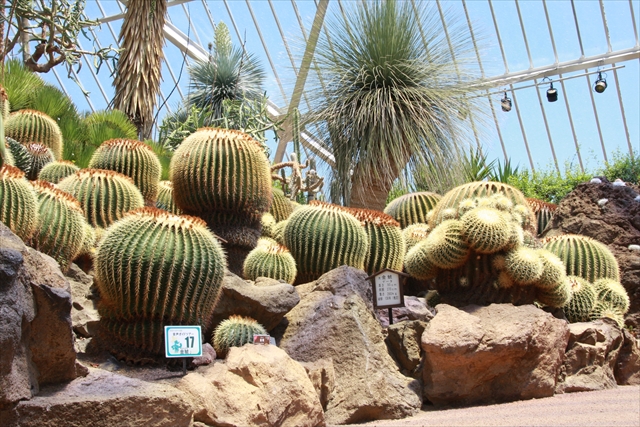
<point x="165" y="198"/>
<point x="415" y="233"/>
<point x="524" y="265"/>
<point x="235" y="331"/>
<point x="412" y="208"/>
<point x="105" y="196"/>
<point x="60" y="232"/>
<point x="152" y="269"/>
<point x="134" y="159"/>
<point x="19" y="154"/>
<point x="55" y="172"/>
<point x="486" y="230"/>
<point x="270" y="259"/>
<point x="18" y="202"/>
<point x="26" y="126"/>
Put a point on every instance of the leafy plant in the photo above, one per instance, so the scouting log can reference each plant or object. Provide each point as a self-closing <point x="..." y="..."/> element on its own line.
<point x="476" y="167"/>
<point x="548" y="185"/>
<point x="503" y="171"/>
<point x="624" y="166"/>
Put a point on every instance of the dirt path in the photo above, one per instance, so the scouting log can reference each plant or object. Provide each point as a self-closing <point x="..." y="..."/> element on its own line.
<point x="617" y="407"/>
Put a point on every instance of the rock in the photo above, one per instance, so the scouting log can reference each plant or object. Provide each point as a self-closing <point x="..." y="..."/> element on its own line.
<point x="498" y="353"/>
<point x="415" y="308"/>
<point x="207" y="358"/>
<point x="616" y="224"/>
<point x="84" y="312"/>
<point x="590" y="357"/>
<point x="266" y="304"/>
<point x="104" y="399"/>
<point x="403" y="341"/>
<point x="627" y="369"/>
<point x="257" y="385"/>
<point x="323" y="378"/>
<point x="336" y="321"/>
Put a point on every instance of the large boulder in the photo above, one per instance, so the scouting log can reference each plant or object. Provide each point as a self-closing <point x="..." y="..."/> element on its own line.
<point x="415" y="308"/>
<point x="403" y="340"/>
<point x="103" y="399"/>
<point x="590" y="357"/>
<point x="257" y="385"/>
<point x="336" y="321"/>
<point x="84" y="311"/>
<point x="616" y="223"/>
<point x="627" y="370"/>
<point x="491" y="354"/>
<point x="265" y="300"/>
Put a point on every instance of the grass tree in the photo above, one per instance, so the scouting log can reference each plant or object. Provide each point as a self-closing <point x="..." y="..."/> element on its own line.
<point x="395" y="90"/>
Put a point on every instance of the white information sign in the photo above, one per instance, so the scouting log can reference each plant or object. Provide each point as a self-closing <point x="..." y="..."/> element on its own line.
<point x="388" y="289"/>
<point x="183" y="341"/>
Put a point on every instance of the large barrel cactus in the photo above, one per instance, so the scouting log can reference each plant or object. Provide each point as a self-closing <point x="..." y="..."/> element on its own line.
<point x="224" y="177"/>
<point x="322" y="238"/>
<point x="61" y="226"/>
<point x="105" y="196"/>
<point x="387" y="246"/>
<point x="55" y="172"/>
<point x="26" y="126"/>
<point x="153" y="269"/>
<point x="134" y="159"/>
<point x="270" y="259"/>
<point x="18" y="202"/>
<point x="412" y="208"/>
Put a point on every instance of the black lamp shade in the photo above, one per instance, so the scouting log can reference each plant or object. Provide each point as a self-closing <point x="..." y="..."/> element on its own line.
<point x="552" y="94"/>
<point x="600" y="85"/>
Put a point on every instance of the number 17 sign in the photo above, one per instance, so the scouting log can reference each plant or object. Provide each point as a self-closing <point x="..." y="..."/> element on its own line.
<point x="183" y="341"/>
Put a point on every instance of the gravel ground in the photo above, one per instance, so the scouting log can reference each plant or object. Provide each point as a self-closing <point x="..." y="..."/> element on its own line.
<point x="616" y="407"/>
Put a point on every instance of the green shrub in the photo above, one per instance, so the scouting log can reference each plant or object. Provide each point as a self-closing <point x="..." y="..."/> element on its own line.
<point x="624" y="166"/>
<point x="548" y="184"/>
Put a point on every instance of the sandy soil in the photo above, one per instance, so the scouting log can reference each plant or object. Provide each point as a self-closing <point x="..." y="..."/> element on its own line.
<point x="615" y="408"/>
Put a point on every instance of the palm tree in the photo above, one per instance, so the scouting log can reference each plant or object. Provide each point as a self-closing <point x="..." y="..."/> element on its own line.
<point x="393" y="98"/>
<point x="137" y="82"/>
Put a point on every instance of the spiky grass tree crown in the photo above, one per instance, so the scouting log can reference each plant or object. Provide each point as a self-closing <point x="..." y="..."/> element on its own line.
<point x="104" y="195"/>
<point x="134" y="159"/>
<point x="61" y="229"/>
<point x="18" y="202"/>
<point x="55" y="172"/>
<point x="412" y="208"/>
<point x="152" y="269"/>
<point x="26" y="126"/>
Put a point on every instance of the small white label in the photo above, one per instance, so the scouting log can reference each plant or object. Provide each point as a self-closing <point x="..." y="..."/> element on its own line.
<point x="183" y="341"/>
<point x="388" y="289"/>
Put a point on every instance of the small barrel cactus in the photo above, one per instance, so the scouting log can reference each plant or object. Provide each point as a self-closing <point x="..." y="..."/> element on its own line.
<point x="415" y="233"/>
<point x="27" y="126"/>
<point x="583" y="299"/>
<point x="19" y="154"/>
<point x="322" y="238"/>
<point x="557" y="296"/>
<point x="40" y="157"/>
<point x="134" y="159"/>
<point x="281" y="207"/>
<point x="55" y="172"/>
<point x="270" y="259"/>
<point x="486" y="230"/>
<point x="105" y="196"/>
<point x="611" y="291"/>
<point x="543" y="211"/>
<point x="267" y="222"/>
<point x="18" y="202"/>
<point x="277" y="231"/>
<point x="61" y="226"/>
<point x="412" y="208"/>
<point x="523" y="265"/>
<point x="165" y="198"/>
<point x="235" y="331"/>
<point x="152" y="269"/>
<point x="606" y="309"/>
<point x="445" y="246"/>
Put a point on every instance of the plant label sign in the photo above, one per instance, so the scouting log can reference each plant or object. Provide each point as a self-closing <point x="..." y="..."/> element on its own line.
<point x="183" y="341"/>
<point x="262" y="339"/>
<point x="387" y="289"/>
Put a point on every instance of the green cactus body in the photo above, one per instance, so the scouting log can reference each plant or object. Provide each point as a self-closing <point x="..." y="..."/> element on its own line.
<point x="611" y="291"/>
<point x="268" y="222"/>
<point x="134" y="159"/>
<point x="555" y="297"/>
<point x="60" y="231"/>
<point x="418" y="264"/>
<point x="445" y="246"/>
<point x="415" y="233"/>
<point x="4" y="104"/>
<point x="55" y="172"/>
<point x="281" y="207"/>
<point x="153" y="268"/>
<point x="553" y="270"/>
<point x="583" y="299"/>
<point x="277" y="231"/>
<point x="608" y="310"/>
<point x="584" y="257"/>
<point x="89" y="241"/>
<point x="322" y="238"/>
<point x="270" y="259"/>
<point x="486" y="230"/>
<point x="543" y="211"/>
<point x="26" y="126"/>
<point x="165" y="198"/>
<point x="523" y="265"/>
<point x="105" y="196"/>
<point x="40" y="157"/>
<point x="412" y="208"/>
<point x="20" y="155"/>
<point x="235" y="331"/>
<point x="18" y="202"/>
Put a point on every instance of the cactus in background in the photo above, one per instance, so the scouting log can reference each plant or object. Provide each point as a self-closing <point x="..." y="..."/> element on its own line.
<point x="583" y="299"/>
<point x="606" y="309"/>
<point x="277" y="231"/>
<point x="224" y="177"/>
<point x="165" y="198"/>
<point x="235" y="331"/>
<point x="89" y="241"/>
<point x="26" y="126"/>
<point x="60" y="232"/>
<point x="612" y="292"/>
<point x="270" y="259"/>
<point x="134" y="159"/>
<point x="18" y="202"/>
<point x="584" y="257"/>
<point x="322" y="238"/>
<point x="412" y="208"/>
<point x="268" y="222"/>
<point x="543" y="211"/>
<point x="19" y="154"/>
<point x="40" y="157"/>
<point x="105" y="196"/>
<point x="152" y="269"/>
<point x="56" y="171"/>
<point x="281" y="207"/>
<point x="415" y="233"/>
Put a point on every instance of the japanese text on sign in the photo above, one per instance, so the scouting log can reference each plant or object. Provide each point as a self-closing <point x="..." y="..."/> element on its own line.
<point x="388" y="290"/>
<point x="183" y="341"/>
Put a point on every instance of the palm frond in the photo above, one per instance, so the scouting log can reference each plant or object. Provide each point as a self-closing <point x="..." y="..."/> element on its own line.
<point x="20" y="83"/>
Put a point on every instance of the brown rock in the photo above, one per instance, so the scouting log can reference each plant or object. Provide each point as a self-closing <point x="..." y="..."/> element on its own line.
<point x="415" y="308"/>
<point x="207" y="358"/>
<point x="491" y="354"/>
<point x="335" y="322"/>
<point x="627" y="369"/>
<point x="257" y="385"/>
<point x="591" y="356"/>
<point x="84" y="312"/>
<point x="403" y="341"/>
<point x="104" y="399"/>
<point x="323" y="378"/>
